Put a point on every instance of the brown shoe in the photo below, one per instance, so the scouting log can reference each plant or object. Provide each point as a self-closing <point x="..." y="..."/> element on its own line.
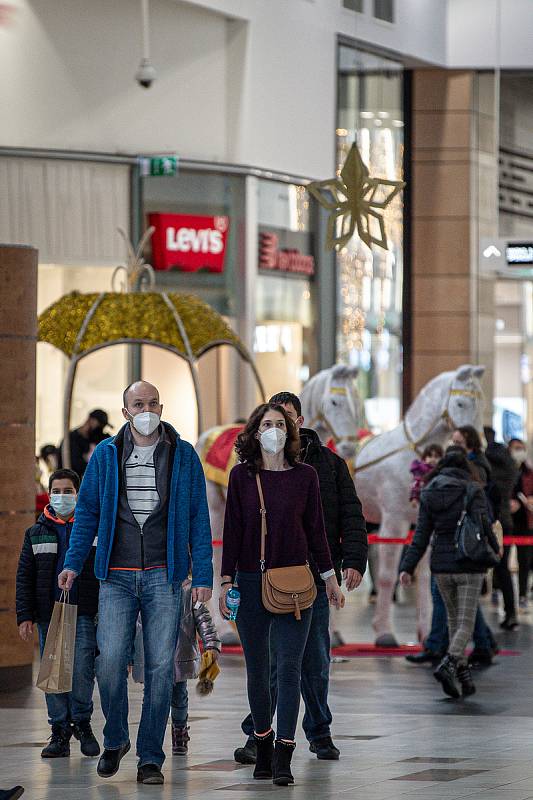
<point x="180" y="737"/>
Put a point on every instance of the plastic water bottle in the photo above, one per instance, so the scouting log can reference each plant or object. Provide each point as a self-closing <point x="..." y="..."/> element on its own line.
<point x="233" y="601"/>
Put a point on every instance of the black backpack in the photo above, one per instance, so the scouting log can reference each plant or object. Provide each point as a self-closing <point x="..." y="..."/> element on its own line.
<point x="471" y="542"/>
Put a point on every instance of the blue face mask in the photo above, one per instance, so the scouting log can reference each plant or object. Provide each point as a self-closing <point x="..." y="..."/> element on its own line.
<point x="63" y="504"/>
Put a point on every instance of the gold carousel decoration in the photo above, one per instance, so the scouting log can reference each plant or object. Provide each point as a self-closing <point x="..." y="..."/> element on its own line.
<point x="135" y="313"/>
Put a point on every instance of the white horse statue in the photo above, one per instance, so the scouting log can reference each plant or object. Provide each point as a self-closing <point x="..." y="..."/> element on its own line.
<point x="382" y="479"/>
<point x="330" y="404"/>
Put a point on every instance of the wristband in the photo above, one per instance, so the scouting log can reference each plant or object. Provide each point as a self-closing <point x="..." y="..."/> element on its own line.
<point x="226" y="583"/>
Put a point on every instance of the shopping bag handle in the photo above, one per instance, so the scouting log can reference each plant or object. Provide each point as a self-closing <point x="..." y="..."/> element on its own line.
<point x="64" y="598"/>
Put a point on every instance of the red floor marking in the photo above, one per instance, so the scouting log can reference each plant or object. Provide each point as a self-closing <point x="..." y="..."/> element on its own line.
<point x="360" y="650"/>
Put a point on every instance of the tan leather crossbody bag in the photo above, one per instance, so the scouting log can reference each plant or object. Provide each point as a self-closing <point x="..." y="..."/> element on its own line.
<point x="285" y="590"/>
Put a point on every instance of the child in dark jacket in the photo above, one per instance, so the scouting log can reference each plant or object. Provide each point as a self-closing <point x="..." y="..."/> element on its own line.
<point x="421" y="469"/>
<point x="41" y="561"/>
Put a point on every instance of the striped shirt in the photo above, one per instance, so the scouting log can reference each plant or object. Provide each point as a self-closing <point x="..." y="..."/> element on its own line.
<point x="141" y="489"/>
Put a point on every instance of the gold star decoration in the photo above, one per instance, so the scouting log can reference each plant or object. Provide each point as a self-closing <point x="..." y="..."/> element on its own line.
<point x="355" y="200"/>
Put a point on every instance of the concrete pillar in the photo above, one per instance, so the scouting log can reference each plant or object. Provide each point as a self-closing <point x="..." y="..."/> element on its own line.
<point x="18" y="336"/>
<point x="455" y="202"/>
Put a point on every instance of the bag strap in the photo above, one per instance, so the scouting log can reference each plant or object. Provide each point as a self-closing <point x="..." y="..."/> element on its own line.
<point x="262" y="510"/>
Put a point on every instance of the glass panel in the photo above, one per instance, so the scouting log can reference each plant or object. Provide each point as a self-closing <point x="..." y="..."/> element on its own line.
<point x="369" y="295"/>
<point x="204" y="194"/>
<point x="285" y="343"/>
<point x="101" y="377"/>
<point x="384" y="9"/>
<point x="353" y="5"/>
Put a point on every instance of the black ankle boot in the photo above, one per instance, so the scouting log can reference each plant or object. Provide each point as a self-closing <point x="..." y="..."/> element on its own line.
<point x="281" y="764"/>
<point x="59" y="746"/>
<point x="265" y="752"/>
<point x="84" y="734"/>
<point x="465" y="679"/>
<point x="446" y="674"/>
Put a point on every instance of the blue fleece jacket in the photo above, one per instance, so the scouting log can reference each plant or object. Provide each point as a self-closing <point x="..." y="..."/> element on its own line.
<point x="188" y="526"/>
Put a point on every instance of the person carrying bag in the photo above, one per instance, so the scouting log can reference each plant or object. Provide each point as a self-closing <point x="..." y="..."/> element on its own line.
<point x="271" y="568"/>
<point x="454" y="517"/>
<point x="286" y="589"/>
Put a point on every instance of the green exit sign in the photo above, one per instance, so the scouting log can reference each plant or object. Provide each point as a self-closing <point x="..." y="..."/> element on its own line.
<point x="163" y="165"/>
<point x="159" y="165"/>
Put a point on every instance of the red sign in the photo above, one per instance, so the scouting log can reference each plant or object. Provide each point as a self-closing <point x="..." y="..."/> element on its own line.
<point x="188" y="243"/>
<point x="288" y="260"/>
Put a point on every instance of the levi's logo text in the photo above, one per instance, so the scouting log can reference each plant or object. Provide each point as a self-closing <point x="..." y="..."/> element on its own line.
<point x="188" y="243"/>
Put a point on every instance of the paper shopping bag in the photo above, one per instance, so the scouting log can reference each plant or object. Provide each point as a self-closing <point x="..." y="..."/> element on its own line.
<point x="57" y="662"/>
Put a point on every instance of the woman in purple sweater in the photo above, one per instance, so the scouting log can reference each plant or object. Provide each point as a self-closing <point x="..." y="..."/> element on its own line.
<point x="269" y="445"/>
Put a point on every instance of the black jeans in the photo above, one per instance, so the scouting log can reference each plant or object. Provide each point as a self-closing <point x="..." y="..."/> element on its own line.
<point x="504" y="581"/>
<point x="315" y="675"/>
<point x="258" y="628"/>
<point x="524" y="555"/>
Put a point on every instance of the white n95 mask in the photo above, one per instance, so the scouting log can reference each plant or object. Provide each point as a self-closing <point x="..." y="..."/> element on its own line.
<point x="146" y="422"/>
<point x="273" y="440"/>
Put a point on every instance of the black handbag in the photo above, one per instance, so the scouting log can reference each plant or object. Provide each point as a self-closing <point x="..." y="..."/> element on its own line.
<point x="471" y="541"/>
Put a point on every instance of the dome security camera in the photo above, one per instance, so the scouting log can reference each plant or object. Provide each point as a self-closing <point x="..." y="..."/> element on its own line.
<point x="146" y="74"/>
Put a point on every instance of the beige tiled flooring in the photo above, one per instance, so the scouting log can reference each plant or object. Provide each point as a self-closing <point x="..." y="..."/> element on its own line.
<point x="399" y="736"/>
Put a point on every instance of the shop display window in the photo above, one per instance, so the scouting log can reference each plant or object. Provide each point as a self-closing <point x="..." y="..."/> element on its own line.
<point x="370" y="279"/>
<point x="284" y="341"/>
<point x="101" y="376"/>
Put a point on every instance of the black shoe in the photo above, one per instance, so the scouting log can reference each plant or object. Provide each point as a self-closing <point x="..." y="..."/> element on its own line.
<point x="12" y="794"/>
<point x="480" y="658"/>
<point x="59" y="746"/>
<point x="424" y="657"/>
<point x="281" y="763"/>
<point x="465" y="679"/>
<point x="265" y="753"/>
<point x="150" y="774"/>
<point x="509" y="623"/>
<point x="325" y="749"/>
<point x="248" y="753"/>
<point x="110" y="761"/>
<point x="84" y="734"/>
<point x="446" y="675"/>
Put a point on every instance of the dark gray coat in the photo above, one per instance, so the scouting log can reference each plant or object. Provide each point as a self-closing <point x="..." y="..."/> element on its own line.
<point x="441" y="505"/>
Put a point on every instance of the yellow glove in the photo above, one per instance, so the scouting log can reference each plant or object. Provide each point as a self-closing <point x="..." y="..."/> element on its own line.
<point x="209" y="671"/>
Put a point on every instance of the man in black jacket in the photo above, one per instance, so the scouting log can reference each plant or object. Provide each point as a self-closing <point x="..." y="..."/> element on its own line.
<point x="41" y="560"/>
<point x="347" y="538"/>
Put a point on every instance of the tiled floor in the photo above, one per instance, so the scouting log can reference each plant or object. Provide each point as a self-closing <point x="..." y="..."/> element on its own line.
<point x="399" y="736"/>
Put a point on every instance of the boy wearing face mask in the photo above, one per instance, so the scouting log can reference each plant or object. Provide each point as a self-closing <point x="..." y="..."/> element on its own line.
<point x="41" y="561"/>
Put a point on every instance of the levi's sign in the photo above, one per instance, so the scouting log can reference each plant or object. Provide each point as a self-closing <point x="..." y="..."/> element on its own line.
<point x="188" y="243"/>
<point x="286" y="260"/>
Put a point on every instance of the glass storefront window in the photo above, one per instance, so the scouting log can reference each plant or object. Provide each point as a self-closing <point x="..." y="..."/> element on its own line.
<point x="284" y="342"/>
<point x="101" y="376"/>
<point x="370" y="280"/>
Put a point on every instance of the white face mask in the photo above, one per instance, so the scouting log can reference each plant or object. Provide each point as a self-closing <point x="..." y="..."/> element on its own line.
<point x="146" y="422"/>
<point x="519" y="456"/>
<point x="63" y="504"/>
<point x="273" y="440"/>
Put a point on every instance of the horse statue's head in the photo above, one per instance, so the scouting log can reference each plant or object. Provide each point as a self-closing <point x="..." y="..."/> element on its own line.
<point x="465" y="400"/>
<point x="331" y="405"/>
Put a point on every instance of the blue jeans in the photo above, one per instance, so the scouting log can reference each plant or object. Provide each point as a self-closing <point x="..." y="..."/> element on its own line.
<point x="258" y="629"/>
<point x="179" y="705"/>
<point x="77" y="705"/>
<point x="122" y="596"/>
<point x="437" y="640"/>
<point x="315" y="675"/>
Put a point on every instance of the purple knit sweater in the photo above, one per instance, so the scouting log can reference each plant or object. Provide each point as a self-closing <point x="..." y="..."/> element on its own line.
<point x="295" y="522"/>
